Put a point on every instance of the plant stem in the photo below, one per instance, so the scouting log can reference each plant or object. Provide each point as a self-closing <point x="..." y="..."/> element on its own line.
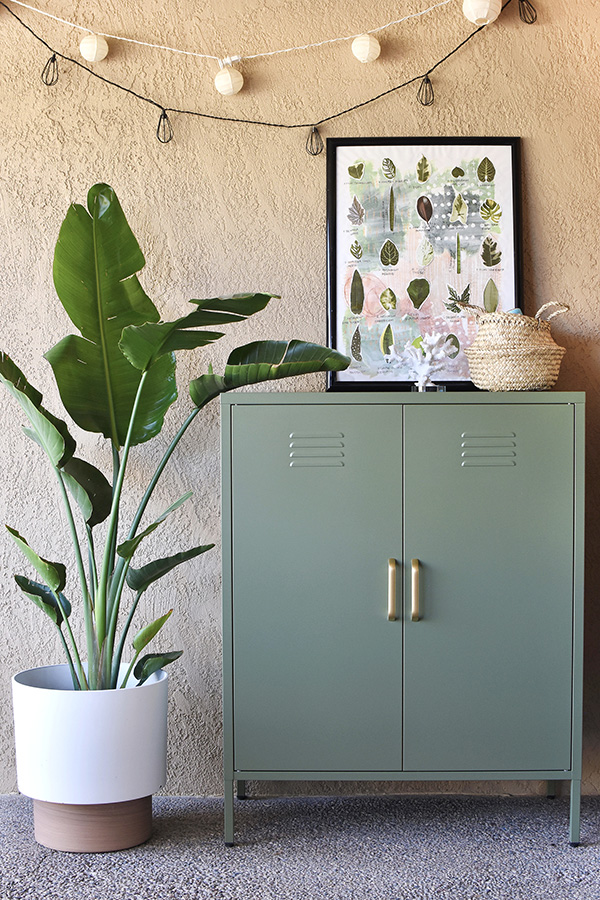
<point x="167" y="455"/>
<point x="92" y="565"/>
<point x="130" y="669"/>
<point x="119" y="653"/>
<point x="81" y="673"/>
<point x="76" y="684"/>
<point x="111" y="537"/>
<point x="87" y="604"/>
<point x="123" y="564"/>
<point x="116" y="470"/>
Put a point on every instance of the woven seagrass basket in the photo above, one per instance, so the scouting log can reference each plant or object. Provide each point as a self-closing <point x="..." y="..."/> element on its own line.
<point x="513" y="352"/>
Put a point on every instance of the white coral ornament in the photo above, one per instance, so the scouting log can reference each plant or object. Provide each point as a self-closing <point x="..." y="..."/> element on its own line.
<point x="429" y="357"/>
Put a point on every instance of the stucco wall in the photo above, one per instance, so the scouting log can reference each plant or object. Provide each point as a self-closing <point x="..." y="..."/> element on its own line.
<point x="226" y="207"/>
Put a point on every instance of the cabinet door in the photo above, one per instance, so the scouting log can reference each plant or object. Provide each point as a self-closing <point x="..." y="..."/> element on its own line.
<point x="317" y="680"/>
<point x="489" y="514"/>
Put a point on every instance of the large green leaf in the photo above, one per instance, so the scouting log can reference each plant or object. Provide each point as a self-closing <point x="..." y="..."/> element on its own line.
<point x="143" y="344"/>
<point x="152" y="662"/>
<point x="95" y="262"/>
<point x="44" y="599"/>
<point x="145" y="634"/>
<point x="53" y="573"/>
<point x="141" y="579"/>
<point x="266" y="361"/>
<point x="91" y="490"/>
<point x="46" y="430"/>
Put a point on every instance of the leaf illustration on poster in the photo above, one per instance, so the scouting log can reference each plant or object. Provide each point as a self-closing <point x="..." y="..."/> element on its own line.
<point x="489" y="252"/>
<point x="389" y="255"/>
<point x="389" y="169"/>
<point x="418" y="291"/>
<point x="425" y="253"/>
<point x="357" y="293"/>
<point x="490" y="211"/>
<point x="386" y="341"/>
<point x="491" y="296"/>
<point x="355" y="346"/>
<point x="486" y="170"/>
<point x="420" y="225"/>
<point x="356" y="213"/>
<point x="423" y="169"/>
<point x="454" y="298"/>
<point x="424" y="208"/>
<point x="388" y="299"/>
<point x="459" y="210"/>
<point x="455" y="343"/>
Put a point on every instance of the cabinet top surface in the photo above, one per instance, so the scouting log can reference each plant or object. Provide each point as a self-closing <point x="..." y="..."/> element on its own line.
<point x="410" y="398"/>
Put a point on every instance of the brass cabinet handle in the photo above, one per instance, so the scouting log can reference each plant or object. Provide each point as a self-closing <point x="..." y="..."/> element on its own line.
<point x="415" y="590"/>
<point x="391" y="590"/>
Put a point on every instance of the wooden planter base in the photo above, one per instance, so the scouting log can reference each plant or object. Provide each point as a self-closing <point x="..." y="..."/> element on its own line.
<point x="92" y="828"/>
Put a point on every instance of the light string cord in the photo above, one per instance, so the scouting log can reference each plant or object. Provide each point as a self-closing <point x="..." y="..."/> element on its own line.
<point x="77" y="63"/>
<point x="117" y="37"/>
<point x="189" y="112"/>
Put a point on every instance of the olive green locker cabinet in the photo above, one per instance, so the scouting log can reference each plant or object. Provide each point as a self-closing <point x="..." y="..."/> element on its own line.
<point x="402" y="588"/>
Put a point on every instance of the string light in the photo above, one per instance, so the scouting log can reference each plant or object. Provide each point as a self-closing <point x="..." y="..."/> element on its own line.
<point x="425" y="94"/>
<point x="50" y="71"/>
<point x="366" y="48"/>
<point x="117" y="37"/>
<point x="164" y="130"/>
<point x="482" y="12"/>
<point x="314" y="144"/>
<point x="527" y="12"/>
<point x="93" y="48"/>
<point x="228" y="80"/>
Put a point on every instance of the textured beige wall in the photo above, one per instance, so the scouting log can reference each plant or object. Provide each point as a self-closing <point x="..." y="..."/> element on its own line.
<point x="227" y="207"/>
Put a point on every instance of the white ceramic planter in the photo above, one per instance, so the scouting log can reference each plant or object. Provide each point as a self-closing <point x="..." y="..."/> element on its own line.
<point x="89" y="748"/>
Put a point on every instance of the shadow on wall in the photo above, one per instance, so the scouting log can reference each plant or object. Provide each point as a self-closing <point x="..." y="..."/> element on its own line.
<point x="580" y="370"/>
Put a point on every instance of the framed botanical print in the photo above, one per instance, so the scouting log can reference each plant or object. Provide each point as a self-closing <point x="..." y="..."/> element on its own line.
<point x="414" y="226"/>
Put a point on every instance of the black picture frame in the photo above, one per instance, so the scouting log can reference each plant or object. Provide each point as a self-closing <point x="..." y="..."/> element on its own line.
<point x="411" y="215"/>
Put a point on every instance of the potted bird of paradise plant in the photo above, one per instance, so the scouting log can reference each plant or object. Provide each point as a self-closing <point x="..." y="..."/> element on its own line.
<point x="116" y="378"/>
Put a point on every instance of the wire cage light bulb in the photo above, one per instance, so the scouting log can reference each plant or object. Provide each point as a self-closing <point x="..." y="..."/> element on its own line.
<point x="366" y="48"/>
<point x="93" y="47"/>
<point x="482" y="12"/>
<point x="50" y="71"/>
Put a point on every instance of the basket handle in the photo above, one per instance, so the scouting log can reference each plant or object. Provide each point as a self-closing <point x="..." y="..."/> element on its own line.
<point x="476" y="310"/>
<point x="560" y="308"/>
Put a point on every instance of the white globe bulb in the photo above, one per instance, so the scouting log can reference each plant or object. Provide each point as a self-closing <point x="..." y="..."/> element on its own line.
<point x="229" y="81"/>
<point x="366" y="48"/>
<point x="482" y="12"/>
<point x="93" y="47"/>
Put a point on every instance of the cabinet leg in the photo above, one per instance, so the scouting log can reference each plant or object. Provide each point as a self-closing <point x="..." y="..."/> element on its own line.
<point x="552" y="789"/>
<point x="574" y="818"/>
<point x="241" y="790"/>
<point x="229" y="812"/>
